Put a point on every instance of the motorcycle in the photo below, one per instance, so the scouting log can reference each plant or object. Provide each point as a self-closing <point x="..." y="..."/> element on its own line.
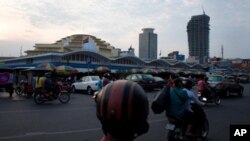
<point x="95" y="95"/>
<point x="58" y="93"/>
<point x="19" y="90"/>
<point x="212" y="97"/>
<point x="177" y="128"/>
<point x="24" y="89"/>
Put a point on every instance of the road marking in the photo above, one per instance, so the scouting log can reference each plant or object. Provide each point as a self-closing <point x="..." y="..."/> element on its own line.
<point x="63" y="132"/>
<point x="49" y="133"/>
<point x="46" y="110"/>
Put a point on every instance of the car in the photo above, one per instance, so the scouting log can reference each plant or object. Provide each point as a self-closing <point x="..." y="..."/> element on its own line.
<point x="87" y="83"/>
<point x="243" y="78"/>
<point x="160" y="82"/>
<point x="225" y="86"/>
<point x="146" y="81"/>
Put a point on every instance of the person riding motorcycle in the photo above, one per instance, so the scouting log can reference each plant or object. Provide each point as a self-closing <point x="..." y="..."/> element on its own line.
<point x="193" y="99"/>
<point x="122" y="108"/>
<point x="180" y="105"/>
<point x="106" y="79"/>
<point x="39" y="82"/>
<point x="197" y="116"/>
<point x="203" y="87"/>
<point x="50" y="85"/>
<point x="178" y="101"/>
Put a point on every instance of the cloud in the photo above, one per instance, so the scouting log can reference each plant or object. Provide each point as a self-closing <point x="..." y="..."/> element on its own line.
<point x="120" y="22"/>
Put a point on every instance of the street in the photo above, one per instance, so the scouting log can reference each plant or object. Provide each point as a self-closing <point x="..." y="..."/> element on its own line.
<point x="23" y="120"/>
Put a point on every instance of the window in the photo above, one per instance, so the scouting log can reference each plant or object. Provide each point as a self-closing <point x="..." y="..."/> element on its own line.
<point x="95" y="78"/>
<point x="29" y="61"/>
<point x="133" y="77"/>
<point x="86" y="79"/>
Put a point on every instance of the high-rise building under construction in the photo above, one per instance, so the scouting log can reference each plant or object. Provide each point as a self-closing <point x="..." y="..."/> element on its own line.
<point x="198" y="37"/>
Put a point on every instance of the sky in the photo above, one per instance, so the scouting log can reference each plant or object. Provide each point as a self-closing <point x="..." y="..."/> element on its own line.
<point x="26" y="22"/>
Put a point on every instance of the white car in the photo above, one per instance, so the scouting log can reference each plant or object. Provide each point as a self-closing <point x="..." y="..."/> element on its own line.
<point x="87" y="83"/>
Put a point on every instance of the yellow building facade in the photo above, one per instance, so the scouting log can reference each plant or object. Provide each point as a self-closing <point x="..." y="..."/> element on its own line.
<point x="75" y="43"/>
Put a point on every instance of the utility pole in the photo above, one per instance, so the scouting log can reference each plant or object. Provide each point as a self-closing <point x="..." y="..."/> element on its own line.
<point x="21" y="51"/>
<point x="222" y="52"/>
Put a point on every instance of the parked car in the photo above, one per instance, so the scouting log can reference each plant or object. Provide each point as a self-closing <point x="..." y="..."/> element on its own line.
<point x="160" y="82"/>
<point x="146" y="81"/>
<point x="243" y="78"/>
<point x="87" y="83"/>
<point x="225" y="86"/>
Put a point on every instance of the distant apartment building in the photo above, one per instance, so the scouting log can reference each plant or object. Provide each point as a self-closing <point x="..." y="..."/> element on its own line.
<point x="76" y="42"/>
<point x="198" y="37"/>
<point x="175" y="56"/>
<point x="241" y="63"/>
<point x="148" y="44"/>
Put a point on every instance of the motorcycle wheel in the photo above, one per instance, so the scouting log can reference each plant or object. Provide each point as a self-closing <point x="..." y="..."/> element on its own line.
<point x="217" y="100"/>
<point x="171" y="136"/>
<point x="205" y="129"/>
<point x="18" y="91"/>
<point x="64" y="98"/>
<point x="38" y="99"/>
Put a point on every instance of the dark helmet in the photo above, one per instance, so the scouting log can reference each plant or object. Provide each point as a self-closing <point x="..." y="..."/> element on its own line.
<point x="178" y="82"/>
<point x="206" y="78"/>
<point x="106" y="75"/>
<point x="187" y="83"/>
<point x="122" y="108"/>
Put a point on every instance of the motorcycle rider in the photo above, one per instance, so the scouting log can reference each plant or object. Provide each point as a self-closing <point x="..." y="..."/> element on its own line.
<point x="122" y="108"/>
<point x="196" y="115"/>
<point x="178" y="101"/>
<point x="50" y="86"/>
<point x="180" y="108"/>
<point x="203" y="88"/>
<point x="39" y="82"/>
<point x="106" y="79"/>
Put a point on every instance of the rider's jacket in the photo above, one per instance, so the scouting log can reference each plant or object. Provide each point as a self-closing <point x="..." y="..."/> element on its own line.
<point x="39" y="82"/>
<point x="178" y="103"/>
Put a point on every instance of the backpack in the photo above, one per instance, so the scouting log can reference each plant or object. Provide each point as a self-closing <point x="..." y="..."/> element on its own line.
<point x="161" y="100"/>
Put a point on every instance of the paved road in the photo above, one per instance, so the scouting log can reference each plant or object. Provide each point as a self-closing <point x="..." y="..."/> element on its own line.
<point x="22" y="120"/>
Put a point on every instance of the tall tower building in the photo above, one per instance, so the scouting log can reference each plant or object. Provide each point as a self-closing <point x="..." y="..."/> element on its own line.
<point x="148" y="44"/>
<point x="198" y="37"/>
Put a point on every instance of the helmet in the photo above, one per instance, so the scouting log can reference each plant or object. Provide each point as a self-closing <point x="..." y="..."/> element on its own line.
<point x="178" y="82"/>
<point x="106" y="75"/>
<point x="122" y="108"/>
<point x="187" y="83"/>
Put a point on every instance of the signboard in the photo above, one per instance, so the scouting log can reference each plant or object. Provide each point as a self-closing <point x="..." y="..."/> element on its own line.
<point x="5" y="78"/>
<point x="180" y="57"/>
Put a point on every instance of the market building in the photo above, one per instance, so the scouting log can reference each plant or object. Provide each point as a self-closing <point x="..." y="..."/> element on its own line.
<point x="84" y="60"/>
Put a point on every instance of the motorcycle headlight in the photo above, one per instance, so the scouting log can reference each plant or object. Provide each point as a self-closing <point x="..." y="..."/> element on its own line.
<point x="204" y="99"/>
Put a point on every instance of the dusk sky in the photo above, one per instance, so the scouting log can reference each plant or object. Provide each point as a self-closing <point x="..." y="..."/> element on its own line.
<point x="26" y="22"/>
